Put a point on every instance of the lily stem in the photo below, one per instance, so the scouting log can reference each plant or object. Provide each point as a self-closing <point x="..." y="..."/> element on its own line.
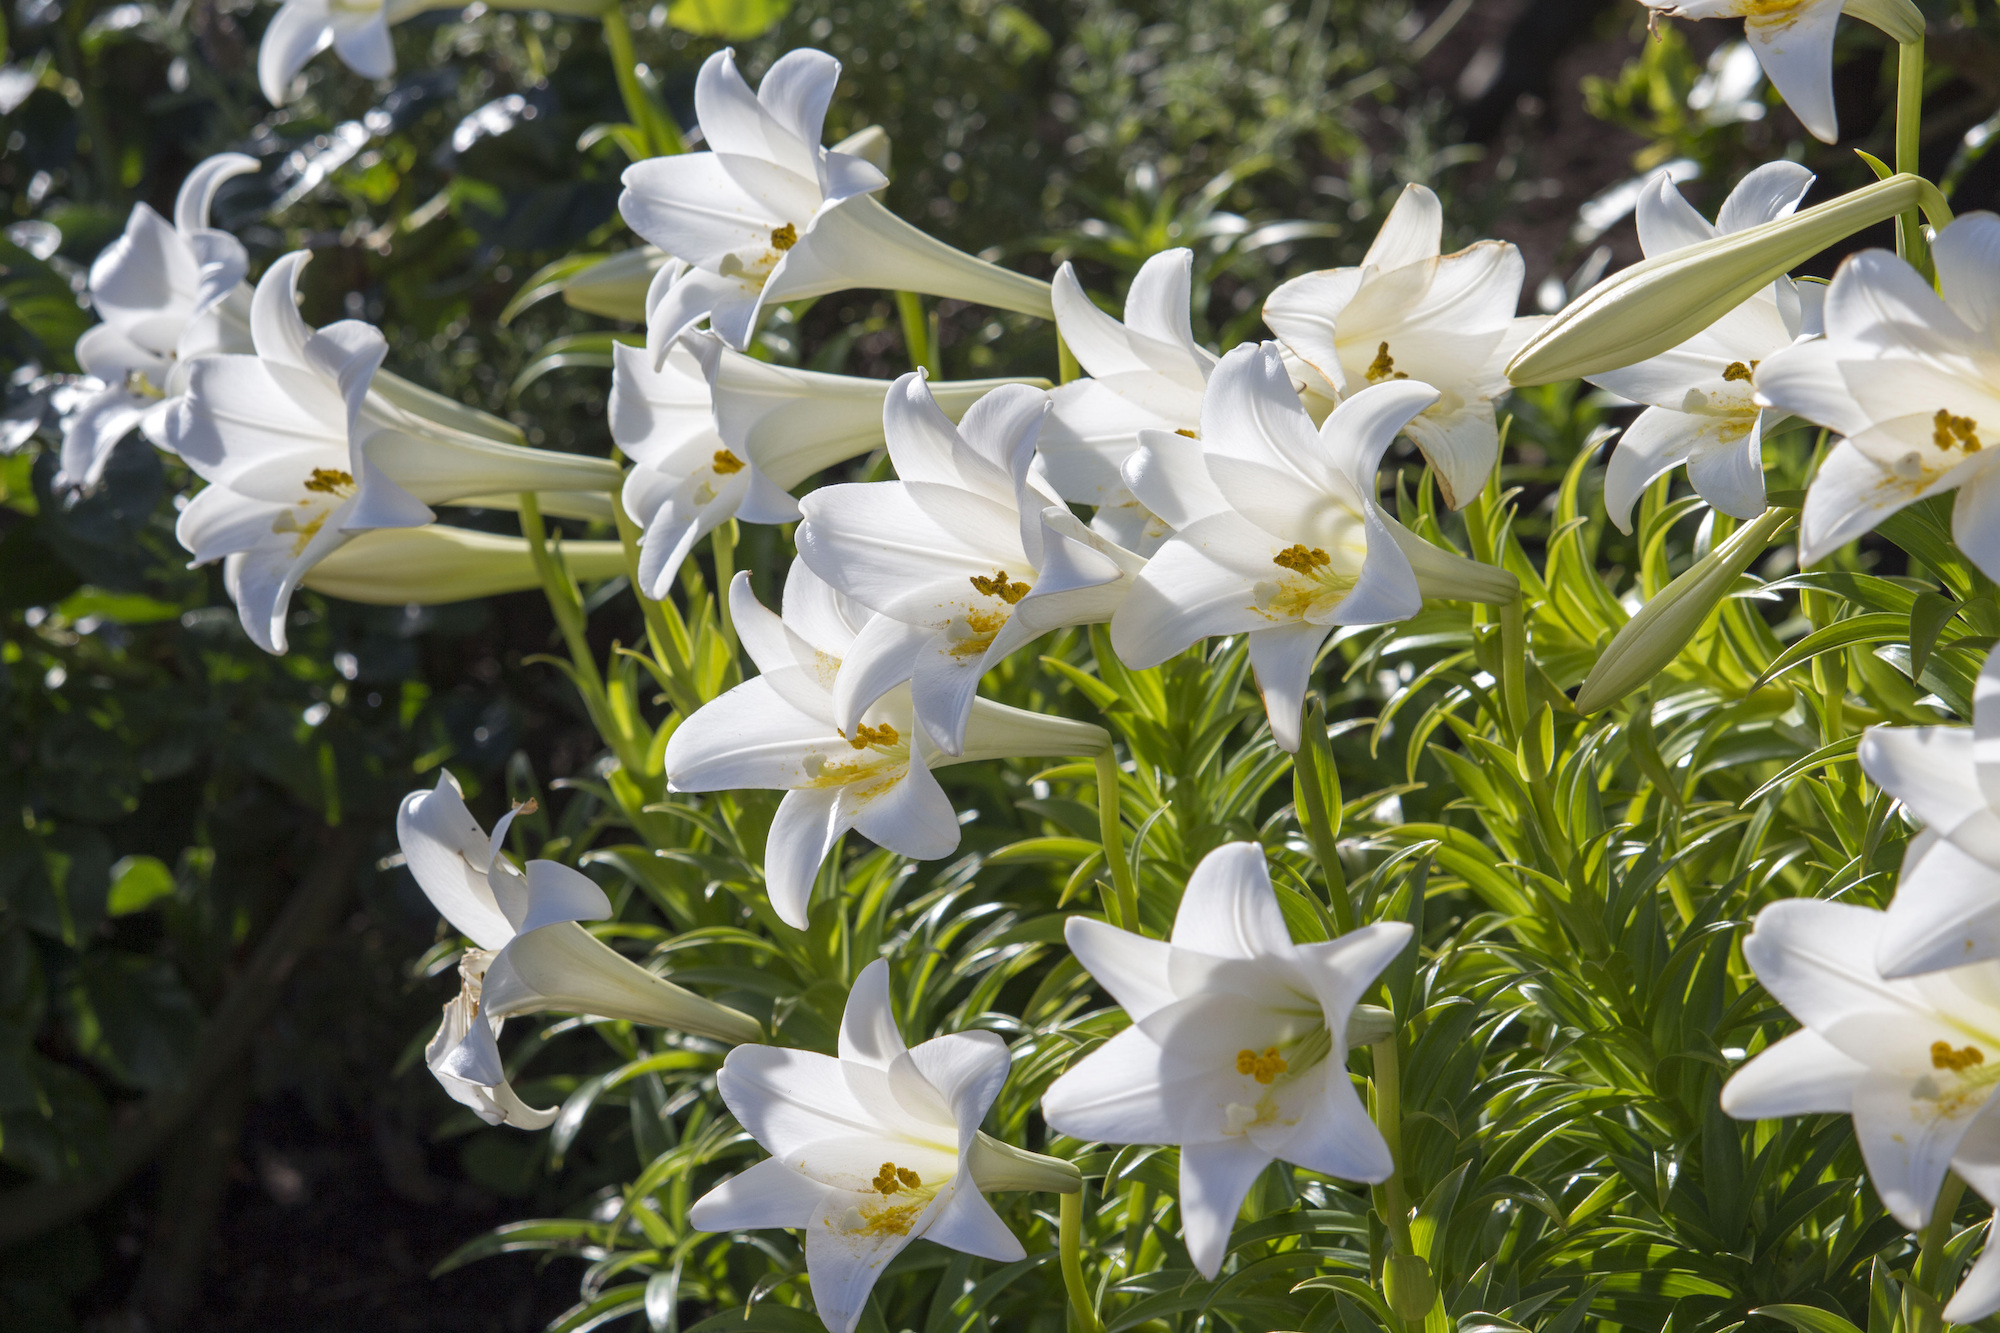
<point x="661" y="136"/>
<point x="1514" y="668"/>
<point x="917" y="330"/>
<point x="1910" y="242"/>
<point x="566" y="605"/>
<point x="722" y="545"/>
<point x="1321" y="830"/>
<point x="1391" y="1200"/>
<point x="1930" y="1257"/>
<point x="1069" y="1226"/>
<point x="1111" y="833"/>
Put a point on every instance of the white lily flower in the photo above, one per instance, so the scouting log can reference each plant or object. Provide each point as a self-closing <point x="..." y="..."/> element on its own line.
<point x="1946" y="912"/>
<point x="158" y="289"/>
<point x="1912" y="379"/>
<point x="873" y="1150"/>
<point x="300" y="456"/>
<point x="1146" y="373"/>
<point x="1276" y="530"/>
<point x="716" y="434"/>
<point x="1915" y="1062"/>
<point x="437" y="564"/>
<point x="1411" y="312"/>
<point x="531" y="955"/>
<point x="769" y="215"/>
<point x="1702" y="408"/>
<point x="357" y="30"/>
<point x="966" y="558"/>
<point x="1793" y="40"/>
<point x="873" y="775"/>
<point x="1237" y="1046"/>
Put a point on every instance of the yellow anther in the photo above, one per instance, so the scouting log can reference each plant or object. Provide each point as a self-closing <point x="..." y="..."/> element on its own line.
<point x="785" y="237"/>
<point x="1264" y="1068"/>
<point x="1008" y="591"/>
<point x="1948" y="431"/>
<point x="1299" y="559"/>
<point x="1383" y="367"/>
<point x="892" y="1178"/>
<point x="1736" y="370"/>
<point x="909" y="1178"/>
<point x="527" y="807"/>
<point x="725" y="463"/>
<point x="1191" y="434"/>
<point x="1944" y="1057"/>
<point x="327" y="481"/>
<point x="865" y="735"/>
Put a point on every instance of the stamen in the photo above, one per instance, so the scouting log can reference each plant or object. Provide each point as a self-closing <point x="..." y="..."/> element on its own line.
<point x="785" y="237"/>
<point x="1736" y="370"/>
<point x="1264" y="1068"/>
<point x="327" y="481"/>
<point x="1191" y="434"/>
<point x="1299" y="559"/>
<point x="1944" y="1057"/>
<point x="1000" y="586"/>
<point x="865" y="735"/>
<point x="892" y="1178"/>
<point x="1383" y="367"/>
<point x="725" y="463"/>
<point x="1948" y="431"/>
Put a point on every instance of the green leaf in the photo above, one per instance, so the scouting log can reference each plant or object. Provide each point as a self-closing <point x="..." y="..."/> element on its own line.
<point x="731" y="20"/>
<point x="1807" y="1318"/>
<point x="137" y="882"/>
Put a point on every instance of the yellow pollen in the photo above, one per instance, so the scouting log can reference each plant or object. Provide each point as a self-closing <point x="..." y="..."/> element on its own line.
<point x="865" y="735"/>
<point x="1736" y="370"/>
<point x="326" y="481"/>
<point x="1383" y="367"/>
<point x="892" y="1178"/>
<point x="1944" y="1057"/>
<point x="785" y="237"/>
<point x="999" y="586"/>
<point x="1948" y="431"/>
<point x="725" y="463"/>
<point x="1264" y="1068"/>
<point x="1183" y="430"/>
<point x="1300" y="560"/>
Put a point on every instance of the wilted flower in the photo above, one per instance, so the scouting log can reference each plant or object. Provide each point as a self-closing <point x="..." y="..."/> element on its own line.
<point x="1276" y="531"/>
<point x="873" y="775"/>
<point x="769" y="215"/>
<point x="873" y="1150"/>
<point x="1411" y="312"/>
<point x="1236" y="1047"/>
<point x="966" y="558"/>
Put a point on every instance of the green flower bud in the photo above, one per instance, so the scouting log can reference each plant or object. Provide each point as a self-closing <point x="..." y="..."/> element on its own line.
<point x="1411" y="1289"/>
<point x="1661" y="302"/>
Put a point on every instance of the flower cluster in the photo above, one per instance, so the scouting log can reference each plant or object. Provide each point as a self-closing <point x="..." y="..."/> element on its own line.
<point x="1170" y="493"/>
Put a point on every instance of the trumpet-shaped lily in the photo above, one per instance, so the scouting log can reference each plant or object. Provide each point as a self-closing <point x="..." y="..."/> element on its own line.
<point x="1146" y="373"/>
<point x="1412" y="313"/>
<point x="300" y="456"/>
<point x="1915" y="1062"/>
<point x="529" y="954"/>
<point x="1702" y="408"/>
<point x="357" y="30"/>
<point x="1912" y="379"/>
<point x="873" y="1149"/>
<point x="716" y="434"/>
<point x="1793" y="40"/>
<point x="436" y="564"/>
<point x="158" y="289"/>
<point x="769" y="215"/>
<point x="966" y="558"/>
<point x="1946" y="912"/>
<point x="1276" y="530"/>
<point x="1237" y="1046"/>
<point x="779" y="730"/>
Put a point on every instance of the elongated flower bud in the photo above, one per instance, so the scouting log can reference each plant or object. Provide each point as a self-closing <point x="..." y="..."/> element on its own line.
<point x="1002" y="1166"/>
<point x="437" y="564"/>
<point x="565" y="968"/>
<point x="1664" y="625"/>
<point x="1662" y="302"/>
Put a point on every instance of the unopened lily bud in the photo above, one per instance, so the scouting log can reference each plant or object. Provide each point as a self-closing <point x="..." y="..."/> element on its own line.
<point x="616" y="287"/>
<point x="1002" y="1166"/>
<point x="1662" y="302"/>
<point x="1664" y="625"/>
<point x="1411" y="1289"/>
<point x="1368" y="1024"/>
<point x="438" y="564"/>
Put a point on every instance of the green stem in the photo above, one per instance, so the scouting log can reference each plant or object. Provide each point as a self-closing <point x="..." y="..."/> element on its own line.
<point x="1514" y="668"/>
<point x="1930" y="1257"/>
<point x="665" y="631"/>
<point x="1395" y="1203"/>
<point x="722" y="546"/>
<point x="1321" y="830"/>
<point x="566" y="604"/>
<point x="1111" y="833"/>
<point x="1910" y="241"/>
<point x="655" y="126"/>
<point x="917" y="334"/>
<point x="1067" y="367"/>
<point x="1069" y="1226"/>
